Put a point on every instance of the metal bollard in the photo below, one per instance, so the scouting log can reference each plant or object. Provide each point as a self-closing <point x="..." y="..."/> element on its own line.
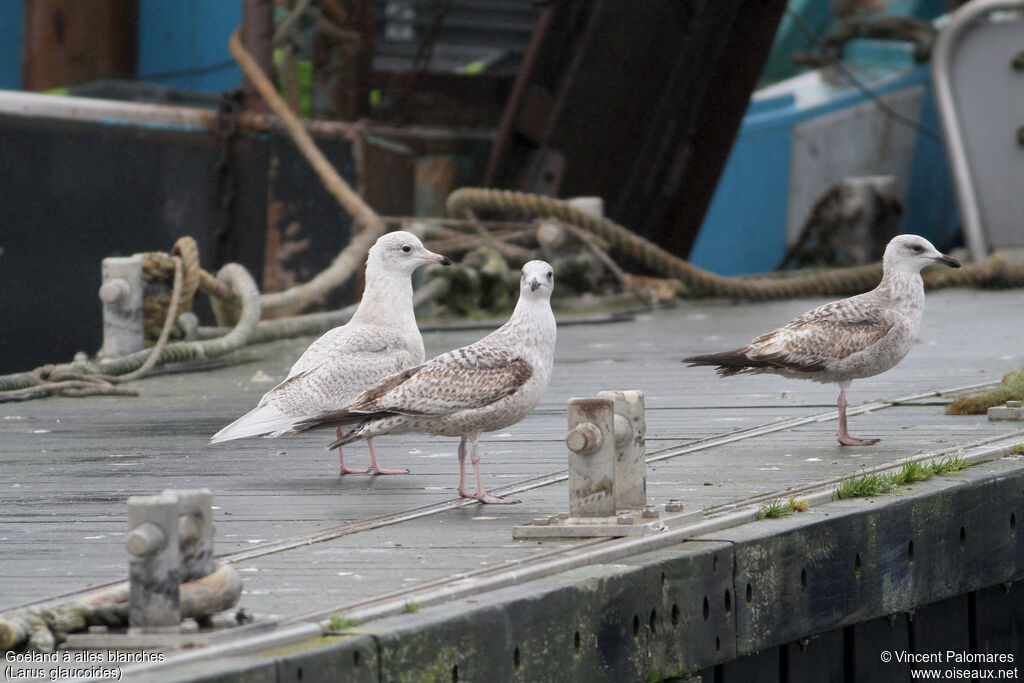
<point x="121" y="294"/>
<point x="630" y="455"/>
<point x="607" y="474"/>
<point x="591" y="443"/>
<point x="154" y="562"/>
<point x="195" y="532"/>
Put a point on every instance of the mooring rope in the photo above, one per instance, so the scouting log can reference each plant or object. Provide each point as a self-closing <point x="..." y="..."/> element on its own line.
<point x="82" y="378"/>
<point x="993" y="272"/>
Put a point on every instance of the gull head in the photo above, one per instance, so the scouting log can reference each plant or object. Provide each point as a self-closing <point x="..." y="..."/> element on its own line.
<point x="403" y="252"/>
<point x="911" y="253"/>
<point x="538" y="280"/>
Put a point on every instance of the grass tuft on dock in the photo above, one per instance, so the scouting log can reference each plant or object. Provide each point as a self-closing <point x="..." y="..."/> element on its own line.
<point x="778" y="508"/>
<point x="1012" y="389"/>
<point x="875" y="483"/>
<point x="339" y="622"/>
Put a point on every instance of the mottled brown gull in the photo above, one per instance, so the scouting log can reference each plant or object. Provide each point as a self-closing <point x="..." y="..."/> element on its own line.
<point x="840" y="341"/>
<point x="485" y="386"/>
<point x="379" y="340"/>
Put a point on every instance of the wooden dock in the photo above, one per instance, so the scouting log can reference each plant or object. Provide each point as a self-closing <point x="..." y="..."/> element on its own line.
<point x="310" y="544"/>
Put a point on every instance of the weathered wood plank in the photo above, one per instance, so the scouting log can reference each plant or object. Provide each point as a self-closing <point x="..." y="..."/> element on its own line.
<point x="68" y="465"/>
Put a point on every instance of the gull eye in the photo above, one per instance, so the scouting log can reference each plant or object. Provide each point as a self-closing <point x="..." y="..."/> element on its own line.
<point x="550" y="274"/>
<point x="916" y="248"/>
<point x="406" y="248"/>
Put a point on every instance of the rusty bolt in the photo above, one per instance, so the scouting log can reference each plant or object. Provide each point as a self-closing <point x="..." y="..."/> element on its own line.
<point x="145" y="539"/>
<point x="584" y="439"/>
<point x="115" y="291"/>
<point x="541" y="521"/>
<point x="188" y="529"/>
<point x="651" y="512"/>
<point x="673" y="505"/>
<point x="623" y="430"/>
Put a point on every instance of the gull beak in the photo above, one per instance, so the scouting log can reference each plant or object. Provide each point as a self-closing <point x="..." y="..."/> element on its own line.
<point x="947" y="260"/>
<point x="437" y="258"/>
<point x="534" y="285"/>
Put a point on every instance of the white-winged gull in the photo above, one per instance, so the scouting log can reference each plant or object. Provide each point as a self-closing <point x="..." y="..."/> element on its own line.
<point x="840" y="341"/>
<point x="379" y="340"/>
<point x="488" y="385"/>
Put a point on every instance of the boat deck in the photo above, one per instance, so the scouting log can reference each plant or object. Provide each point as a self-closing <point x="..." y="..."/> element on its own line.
<point x="309" y="543"/>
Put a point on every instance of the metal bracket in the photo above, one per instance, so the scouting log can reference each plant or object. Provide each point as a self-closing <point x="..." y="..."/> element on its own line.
<point x="170" y="541"/>
<point x="1012" y="410"/>
<point x="154" y="562"/>
<point x="121" y="294"/>
<point x="607" y="474"/>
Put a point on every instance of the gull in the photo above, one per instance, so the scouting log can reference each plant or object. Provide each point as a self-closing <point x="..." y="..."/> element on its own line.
<point x="380" y="339"/>
<point x="841" y="341"/>
<point x="488" y="385"/>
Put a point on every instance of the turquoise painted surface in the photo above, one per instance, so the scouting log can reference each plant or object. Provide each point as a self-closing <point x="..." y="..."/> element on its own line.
<point x="744" y="229"/>
<point x="184" y="44"/>
<point x="745" y="223"/>
<point x="819" y="18"/>
<point x="10" y="44"/>
<point x="930" y="202"/>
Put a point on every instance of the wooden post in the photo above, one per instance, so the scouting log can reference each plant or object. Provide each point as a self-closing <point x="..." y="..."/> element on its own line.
<point x="154" y="562"/>
<point x="630" y="454"/>
<point x="591" y="443"/>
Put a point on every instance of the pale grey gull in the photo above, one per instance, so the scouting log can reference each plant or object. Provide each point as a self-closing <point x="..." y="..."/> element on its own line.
<point x="488" y="385"/>
<point x="841" y="341"/>
<point x="379" y="340"/>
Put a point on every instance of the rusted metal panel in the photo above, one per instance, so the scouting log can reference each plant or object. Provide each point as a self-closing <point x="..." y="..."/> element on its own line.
<point x="65" y="205"/>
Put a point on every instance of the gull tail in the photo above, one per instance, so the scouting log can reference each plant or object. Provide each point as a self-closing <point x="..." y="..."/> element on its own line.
<point x="368" y="424"/>
<point x="359" y="432"/>
<point x="728" y="362"/>
<point x="263" y="420"/>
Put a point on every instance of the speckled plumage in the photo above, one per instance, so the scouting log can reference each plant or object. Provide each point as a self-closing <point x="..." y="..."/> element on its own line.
<point x="380" y="339"/>
<point x="840" y="341"/>
<point x="488" y="385"/>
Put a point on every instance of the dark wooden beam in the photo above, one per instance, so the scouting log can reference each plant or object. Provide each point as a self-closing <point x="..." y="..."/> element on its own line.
<point x="257" y="36"/>
<point x="66" y="42"/>
<point x="638" y="103"/>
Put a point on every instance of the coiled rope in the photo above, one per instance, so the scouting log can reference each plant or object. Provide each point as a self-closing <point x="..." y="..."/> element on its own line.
<point x="81" y="377"/>
<point x="993" y="272"/>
